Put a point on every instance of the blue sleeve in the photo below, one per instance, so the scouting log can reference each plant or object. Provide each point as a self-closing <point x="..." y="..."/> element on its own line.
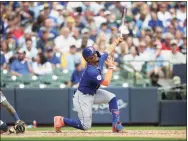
<point x="102" y="60"/>
<point x="2" y="59"/>
<point x="58" y="60"/>
<point x="150" y="23"/>
<point x="13" y="66"/>
<point x="161" y="24"/>
<point x="72" y="78"/>
<point x="95" y="76"/>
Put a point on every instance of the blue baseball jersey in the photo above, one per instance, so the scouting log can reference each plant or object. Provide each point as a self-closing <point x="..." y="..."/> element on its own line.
<point x="92" y="77"/>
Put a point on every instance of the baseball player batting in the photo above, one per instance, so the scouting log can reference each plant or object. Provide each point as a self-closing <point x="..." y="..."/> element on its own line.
<point x="19" y="125"/>
<point x="88" y="92"/>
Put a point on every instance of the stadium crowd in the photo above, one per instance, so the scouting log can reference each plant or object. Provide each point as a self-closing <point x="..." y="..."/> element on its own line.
<point x="37" y="37"/>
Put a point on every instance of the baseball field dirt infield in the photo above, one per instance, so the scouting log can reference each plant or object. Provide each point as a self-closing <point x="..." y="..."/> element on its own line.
<point x="101" y="133"/>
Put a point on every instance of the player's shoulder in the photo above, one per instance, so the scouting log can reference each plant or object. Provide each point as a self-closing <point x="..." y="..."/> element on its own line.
<point x="92" y="70"/>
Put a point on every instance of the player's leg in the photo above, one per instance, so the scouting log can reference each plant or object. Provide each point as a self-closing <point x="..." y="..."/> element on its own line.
<point x="9" y="107"/>
<point x="83" y="105"/>
<point x="3" y="127"/>
<point x="103" y="96"/>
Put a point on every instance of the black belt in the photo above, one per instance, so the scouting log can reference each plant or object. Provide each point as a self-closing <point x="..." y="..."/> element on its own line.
<point x="84" y="93"/>
<point x="88" y="94"/>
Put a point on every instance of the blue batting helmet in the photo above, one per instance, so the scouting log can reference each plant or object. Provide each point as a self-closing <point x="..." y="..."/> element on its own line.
<point x="89" y="51"/>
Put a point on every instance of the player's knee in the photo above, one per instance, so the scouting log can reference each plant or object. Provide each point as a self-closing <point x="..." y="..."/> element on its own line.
<point x="112" y="96"/>
<point x="86" y="126"/>
<point x="9" y="107"/>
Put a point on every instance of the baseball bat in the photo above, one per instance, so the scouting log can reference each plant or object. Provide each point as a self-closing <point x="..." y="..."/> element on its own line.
<point x="123" y="20"/>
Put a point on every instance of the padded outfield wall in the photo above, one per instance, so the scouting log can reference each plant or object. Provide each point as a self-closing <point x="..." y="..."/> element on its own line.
<point x="137" y="106"/>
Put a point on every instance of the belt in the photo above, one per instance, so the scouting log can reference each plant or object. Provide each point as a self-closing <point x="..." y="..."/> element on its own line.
<point x="85" y="93"/>
<point x="88" y="94"/>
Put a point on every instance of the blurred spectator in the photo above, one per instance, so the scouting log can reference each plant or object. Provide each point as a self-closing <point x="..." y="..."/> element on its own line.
<point x="177" y="87"/>
<point x="117" y="9"/>
<point x="176" y="57"/>
<point x="56" y="13"/>
<point x="63" y="24"/>
<point x="73" y="5"/>
<point x="76" y="34"/>
<point x="114" y="30"/>
<point x="183" y="47"/>
<point x="179" y="38"/>
<point x="163" y="14"/>
<point x="158" y="33"/>
<point x="38" y="24"/>
<point x="36" y="8"/>
<point x="78" y="22"/>
<point x="150" y="49"/>
<point x="123" y="49"/>
<point x="133" y="59"/>
<point x="106" y="30"/>
<point x="2" y="61"/>
<point x="181" y="12"/>
<point x="155" y="21"/>
<point x="76" y="75"/>
<point x="50" y="27"/>
<point x="31" y="52"/>
<point x="101" y="41"/>
<point x="47" y="13"/>
<point x="154" y="79"/>
<point x="96" y="6"/>
<point x="149" y="31"/>
<point x="177" y="24"/>
<point x="64" y="40"/>
<point x="41" y="66"/>
<point x="172" y="11"/>
<point x="11" y="42"/>
<point x="26" y="14"/>
<point x="142" y="51"/>
<point x="93" y="34"/>
<point x="44" y="42"/>
<point x="52" y="57"/>
<point x="27" y="35"/>
<point x="167" y="38"/>
<point x="69" y="60"/>
<point x="60" y="17"/>
<point x="84" y="41"/>
<point x="21" y="66"/>
<point x="70" y="23"/>
<point x="99" y="19"/>
<point x="5" y="50"/>
<point x="156" y="63"/>
<point x="117" y="60"/>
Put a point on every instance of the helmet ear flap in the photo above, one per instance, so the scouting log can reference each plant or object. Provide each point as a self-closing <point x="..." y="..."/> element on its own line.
<point x="86" y="59"/>
<point x="98" y="54"/>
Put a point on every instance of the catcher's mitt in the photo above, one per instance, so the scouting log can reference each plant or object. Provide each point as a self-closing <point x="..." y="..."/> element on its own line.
<point x="18" y="128"/>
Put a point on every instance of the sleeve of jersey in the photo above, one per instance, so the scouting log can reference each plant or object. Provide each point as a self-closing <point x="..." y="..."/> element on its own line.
<point x="102" y="60"/>
<point x="95" y="76"/>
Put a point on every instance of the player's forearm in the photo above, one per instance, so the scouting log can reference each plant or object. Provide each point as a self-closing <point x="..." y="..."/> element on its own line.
<point x="102" y="60"/>
<point x="15" y="73"/>
<point x="111" y="48"/>
<point x="113" y="45"/>
<point x="108" y="78"/>
<point x="30" y="68"/>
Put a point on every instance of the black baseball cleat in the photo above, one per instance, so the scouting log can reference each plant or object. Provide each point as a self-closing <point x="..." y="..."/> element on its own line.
<point x="3" y="128"/>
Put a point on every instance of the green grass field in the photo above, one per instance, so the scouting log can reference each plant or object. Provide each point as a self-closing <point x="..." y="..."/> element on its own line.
<point x="140" y="128"/>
